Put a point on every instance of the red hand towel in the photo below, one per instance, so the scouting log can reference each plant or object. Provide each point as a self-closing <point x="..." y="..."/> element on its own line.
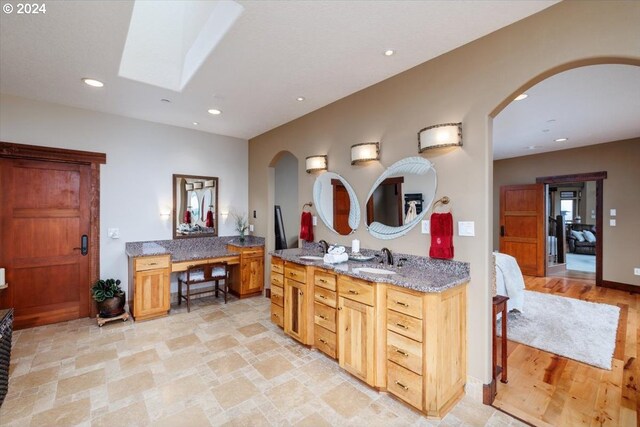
<point x="209" y="222"/>
<point x="306" y="227"/>
<point x="187" y="216"/>
<point x="441" y="236"/>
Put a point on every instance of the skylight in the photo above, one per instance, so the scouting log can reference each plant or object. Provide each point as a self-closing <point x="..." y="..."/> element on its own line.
<point x="168" y="41"/>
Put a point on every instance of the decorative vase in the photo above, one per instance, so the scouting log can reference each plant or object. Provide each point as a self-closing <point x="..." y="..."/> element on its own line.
<point x="242" y="236"/>
<point x="111" y="307"/>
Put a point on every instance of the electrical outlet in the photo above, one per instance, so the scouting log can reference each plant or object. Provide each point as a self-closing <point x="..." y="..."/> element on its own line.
<point x="315" y="220"/>
<point x="466" y="228"/>
<point x="612" y="222"/>
<point x="636" y="271"/>
<point x="114" y="233"/>
<point x="426" y="226"/>
<point x="251" y="227"/>
<point x="612" y="212"/>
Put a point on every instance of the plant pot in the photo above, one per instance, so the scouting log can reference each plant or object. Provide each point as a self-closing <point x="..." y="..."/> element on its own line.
<point x="111" y="307"/>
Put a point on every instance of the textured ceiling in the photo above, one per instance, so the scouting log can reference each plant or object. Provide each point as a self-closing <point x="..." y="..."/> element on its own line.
<point x="275" y="52"/>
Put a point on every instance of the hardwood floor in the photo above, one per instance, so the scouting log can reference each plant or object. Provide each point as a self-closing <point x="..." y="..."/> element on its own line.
<point x="548" y="390"/>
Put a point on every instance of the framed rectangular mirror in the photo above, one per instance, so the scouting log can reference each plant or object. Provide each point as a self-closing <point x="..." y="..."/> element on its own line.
<point x="195" y="206"/>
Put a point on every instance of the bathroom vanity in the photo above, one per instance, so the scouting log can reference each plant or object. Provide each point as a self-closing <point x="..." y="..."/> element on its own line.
<point x="400" y="330"/>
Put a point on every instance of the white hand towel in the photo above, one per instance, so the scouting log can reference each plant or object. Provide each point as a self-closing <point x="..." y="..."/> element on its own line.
<point x="335" y="258"/>
<point x="336" y="250"/>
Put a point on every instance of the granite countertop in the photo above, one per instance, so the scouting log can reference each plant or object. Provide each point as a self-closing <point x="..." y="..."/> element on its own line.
<point x="417" y="273"/>
<point x="192" y="248"/>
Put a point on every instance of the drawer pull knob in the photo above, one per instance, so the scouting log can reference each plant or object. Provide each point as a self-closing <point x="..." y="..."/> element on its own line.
<point x="322" y="296"/>
<point x="300" y="293"/>
<point x="351" y="291"/>
<point x="402" y="386"/>
<point x="323" y="281"/>
<point x="402" y="352"/>
<point x="291" y="273"/>
<point x="322" y="317"/>
<point x="323" y="341"/>
<point x="400" y="325"/>
<point x="402" y="304"/>
<point x="275" y="315"/>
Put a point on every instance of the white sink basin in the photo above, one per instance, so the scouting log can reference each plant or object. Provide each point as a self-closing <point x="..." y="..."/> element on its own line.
<point x="372" y="270"/>
<point x="311" y="258"/>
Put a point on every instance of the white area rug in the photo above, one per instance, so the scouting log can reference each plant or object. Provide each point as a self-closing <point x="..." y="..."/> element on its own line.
<point x="580" y="262"/>
<point x="579" y="330"/>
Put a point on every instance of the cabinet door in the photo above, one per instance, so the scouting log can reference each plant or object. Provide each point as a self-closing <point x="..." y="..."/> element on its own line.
<point x="252" y="274"/>
<point x="295" y="319"/>
<point x="356" y="339"/>
<point x="151" y="293"/>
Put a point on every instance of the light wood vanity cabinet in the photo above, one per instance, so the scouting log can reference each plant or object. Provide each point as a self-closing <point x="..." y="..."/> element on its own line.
<point x="426" y="347"/>
<point x="149" y="287"/>
<point x="251" y="278"/>
<point x="408" y="343"/>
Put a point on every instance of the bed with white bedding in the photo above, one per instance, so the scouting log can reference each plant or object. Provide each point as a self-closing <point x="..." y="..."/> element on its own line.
<point x="509" y="281"/>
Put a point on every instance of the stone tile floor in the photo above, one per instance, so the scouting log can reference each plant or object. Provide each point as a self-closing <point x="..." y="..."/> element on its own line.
<point x="218" y="365"/>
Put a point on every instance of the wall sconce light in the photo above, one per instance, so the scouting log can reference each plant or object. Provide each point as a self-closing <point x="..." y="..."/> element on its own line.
<point x="437" y="136"/>
<point x="165" y="215"/>
<point x="316" y="163"/>
<point x="208" y="183"/>
<point x="188" y="186"/>
<point x="197" y="185"/>
<point x="365" y="152"/>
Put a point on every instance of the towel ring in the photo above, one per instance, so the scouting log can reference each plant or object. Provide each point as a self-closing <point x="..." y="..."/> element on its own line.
<point x="441" y="201"/>
<point x="310" y="204"/>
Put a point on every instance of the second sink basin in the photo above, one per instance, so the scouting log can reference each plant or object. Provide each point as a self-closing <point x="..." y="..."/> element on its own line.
<point x="372" y="270"/>
<point x="311" y="258"/>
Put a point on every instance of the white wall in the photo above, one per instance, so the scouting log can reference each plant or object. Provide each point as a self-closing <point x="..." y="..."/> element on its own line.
<point x="136" y="182"/>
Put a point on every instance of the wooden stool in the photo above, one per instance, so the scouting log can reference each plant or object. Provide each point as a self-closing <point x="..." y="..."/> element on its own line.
<point x="500" y="306"/>
<point x="202" y="273"/>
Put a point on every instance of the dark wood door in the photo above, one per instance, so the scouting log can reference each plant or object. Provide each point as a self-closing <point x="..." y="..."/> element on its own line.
<point x="341" y="208"/>
<point x="522" y="226"/>
<point x="44" y="210"/>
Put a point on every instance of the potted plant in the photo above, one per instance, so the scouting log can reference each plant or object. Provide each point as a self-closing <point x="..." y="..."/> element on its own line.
<point x="242" y="224"/>
<point x="109" y="297"/>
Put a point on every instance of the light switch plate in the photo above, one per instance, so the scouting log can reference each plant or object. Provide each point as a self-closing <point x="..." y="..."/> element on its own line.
<point x="612" y="212"/>
<point x="636" y="271"/>
<point x="315" y="220"/>
<point x="251" y="227"/>
<point x="426" y="226"/>
<point x="466" y="228"/>
<point x="612" y="222"/>
<point x="114" y="233"/>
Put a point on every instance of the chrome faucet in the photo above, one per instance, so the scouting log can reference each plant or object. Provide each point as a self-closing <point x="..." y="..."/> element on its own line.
<point x="387" y="252"/>
<point x="324" y="246"/>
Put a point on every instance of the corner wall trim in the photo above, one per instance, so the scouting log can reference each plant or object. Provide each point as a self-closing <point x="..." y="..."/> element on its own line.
<point x="621" y="286"/>
<point x="489" y="392"/>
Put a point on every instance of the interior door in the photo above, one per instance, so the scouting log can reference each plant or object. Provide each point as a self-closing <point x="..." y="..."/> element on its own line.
<point x="44" y="210"/>
<point x="341" y="208"/>
<point x="522" y="233"/>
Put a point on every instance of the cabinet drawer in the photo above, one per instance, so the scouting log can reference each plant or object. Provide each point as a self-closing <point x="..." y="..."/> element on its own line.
<point x="404" y="325"/>
<point x="325" y="341"/>
<point x="151" y="263"/>
<point x="325" y="280"/>
<point x="405" y="352"/>
<point x="277" y="265"/>
<point x="277" y="295"/>
<point x="325" y="297"/>
<point x="277" y="279"/>
<point x="404" y="384"/>
<point x="295" y="272"/>
<point x="356" y="290"/>
<point x="324" y="316"/>
<point x="404" y="303"/>
<point x="277" y="315"/>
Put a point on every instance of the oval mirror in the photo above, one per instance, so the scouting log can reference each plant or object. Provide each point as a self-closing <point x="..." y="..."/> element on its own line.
<point x="400" y="197"/>
<point x="194" y="204"/>
<point x="336" y="203"/>
<point x="206" y="204"/>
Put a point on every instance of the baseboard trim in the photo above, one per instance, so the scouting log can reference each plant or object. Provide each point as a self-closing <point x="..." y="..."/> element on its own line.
<point x="621" y="286"/>
<point x="489" y="392"/>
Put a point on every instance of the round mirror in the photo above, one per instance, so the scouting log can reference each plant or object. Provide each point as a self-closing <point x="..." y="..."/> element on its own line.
<point x="336" y="203"/>
<point x="206" y="204"/>
<point x="400" y="197"/>
<point x="194" y="204"/>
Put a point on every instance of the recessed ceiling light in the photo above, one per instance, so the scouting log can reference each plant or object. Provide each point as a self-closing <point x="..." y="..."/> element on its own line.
<point x="214" y="111"/>
<point x="196" y="123"/>
<point x="521" y="97"/>
<point x="389" y="52"/>
<point x="165" y="100"/>
<point x="300" y="98"/>
<point x="92" y="82"/>
<point x="561" y="139"/>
